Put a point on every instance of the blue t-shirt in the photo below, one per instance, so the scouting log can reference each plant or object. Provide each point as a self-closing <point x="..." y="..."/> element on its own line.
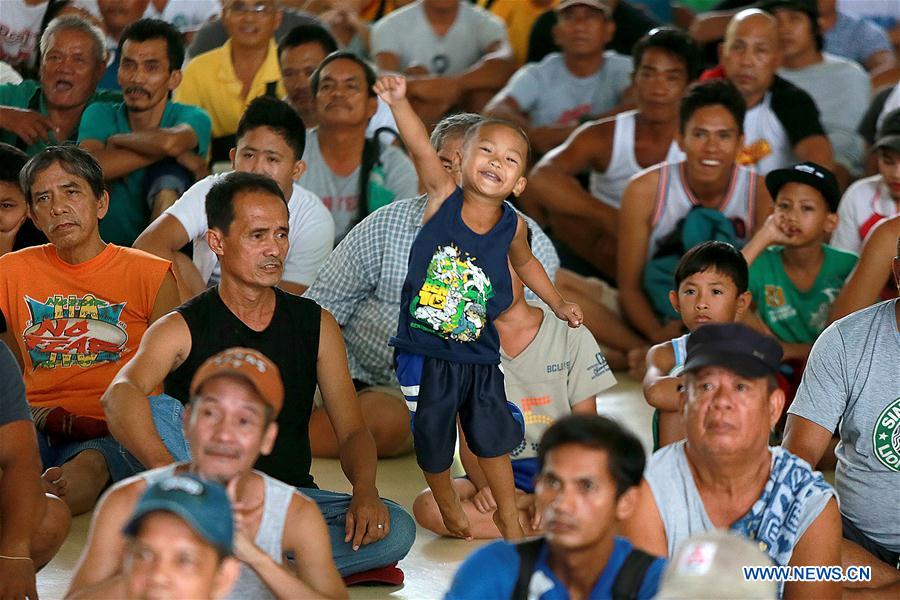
<point x="492" y="570"/>
<point x="129" y="210"/>
<point x="457" y="283"/>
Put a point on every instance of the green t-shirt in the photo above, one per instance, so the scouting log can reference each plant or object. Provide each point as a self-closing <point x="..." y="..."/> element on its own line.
<point x="129" y="208"/>
<point x="797" y="317"/>
<point x="28" y="95"/>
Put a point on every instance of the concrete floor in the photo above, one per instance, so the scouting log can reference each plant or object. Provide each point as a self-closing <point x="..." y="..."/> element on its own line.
<point x="433" y="560"/>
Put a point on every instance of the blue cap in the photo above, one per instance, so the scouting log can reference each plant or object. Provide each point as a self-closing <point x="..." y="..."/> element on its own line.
<point x="202" y="504"/>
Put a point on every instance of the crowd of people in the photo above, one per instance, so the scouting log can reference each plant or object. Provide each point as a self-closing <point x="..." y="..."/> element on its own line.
<point x="240" y="235"/>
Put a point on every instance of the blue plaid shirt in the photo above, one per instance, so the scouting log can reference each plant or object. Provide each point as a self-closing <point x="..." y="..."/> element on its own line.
<point x="361" y="280"/>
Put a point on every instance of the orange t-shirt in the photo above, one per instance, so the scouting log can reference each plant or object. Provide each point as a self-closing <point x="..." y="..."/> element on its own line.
<point x="77" y="325"/>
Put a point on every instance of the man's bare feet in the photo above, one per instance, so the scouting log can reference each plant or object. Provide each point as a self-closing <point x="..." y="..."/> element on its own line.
<point x="509" y="525"/>
<point x="53" y="482"/>
<point x="455" y="520"/>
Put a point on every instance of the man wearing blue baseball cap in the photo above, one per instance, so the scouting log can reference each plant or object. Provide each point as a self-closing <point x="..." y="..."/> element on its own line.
<point x="180" y="541"/>
<point x="725" y="475"/>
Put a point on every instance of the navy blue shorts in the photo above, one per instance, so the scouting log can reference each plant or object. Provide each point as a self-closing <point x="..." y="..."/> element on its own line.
<point x="437" y="391"/>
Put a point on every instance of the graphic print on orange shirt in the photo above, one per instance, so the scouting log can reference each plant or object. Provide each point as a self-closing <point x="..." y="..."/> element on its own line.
<point x="66" y="331"/>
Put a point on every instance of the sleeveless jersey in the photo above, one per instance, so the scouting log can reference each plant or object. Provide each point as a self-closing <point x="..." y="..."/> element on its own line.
<point x="458" y="282"/>
<point x="291" y="341"/>
<point x="609" y="186"/>
<point x="76" y="325"/>
<point x="674" y="200"/>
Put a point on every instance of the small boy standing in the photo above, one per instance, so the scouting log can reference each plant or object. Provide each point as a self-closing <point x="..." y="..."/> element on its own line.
<point x="794" y="275"/>
<point x="710" y="287"/>
<point x="447" y="350"/>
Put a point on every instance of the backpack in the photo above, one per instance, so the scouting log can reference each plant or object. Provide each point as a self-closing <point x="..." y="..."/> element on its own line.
<point x="625" y="587"/>
<point x="373" y="193"/>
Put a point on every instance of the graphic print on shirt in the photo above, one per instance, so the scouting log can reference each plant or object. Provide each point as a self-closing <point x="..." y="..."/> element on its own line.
<point x="66" y="331"/>
<point x="452" y="303"/>
<point x="886" y="436"/>
<point x="753" y="153"/>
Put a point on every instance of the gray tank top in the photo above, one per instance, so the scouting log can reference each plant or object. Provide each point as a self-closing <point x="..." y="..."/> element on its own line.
<point x="674" y="200"/>
<point x="609" y="186"/>
<point x="278" y="497"/>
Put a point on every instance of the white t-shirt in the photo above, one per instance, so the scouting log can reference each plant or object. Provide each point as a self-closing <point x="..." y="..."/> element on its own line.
<point x="20" y="26"/>
<point x="865" y="204"/>
<point x="311" y="233"/>
<point x="8" y="74"/>
<point x="408" y="34"/>
<point x="551" y="95"/>
<point x="185" y="15"/>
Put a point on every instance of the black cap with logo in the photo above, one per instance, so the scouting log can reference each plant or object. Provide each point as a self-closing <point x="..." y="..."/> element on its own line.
<point x="735" y="347"/>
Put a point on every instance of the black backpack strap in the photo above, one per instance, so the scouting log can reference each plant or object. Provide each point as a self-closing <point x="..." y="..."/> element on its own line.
<point x="631" y="575"/>
<point x="272" y="89"/>
<point x="371" y="156"/>
<point x="528" y="552"/>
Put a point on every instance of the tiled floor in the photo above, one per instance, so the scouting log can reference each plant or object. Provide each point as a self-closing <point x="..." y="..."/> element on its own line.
<point x="430" y="565"/>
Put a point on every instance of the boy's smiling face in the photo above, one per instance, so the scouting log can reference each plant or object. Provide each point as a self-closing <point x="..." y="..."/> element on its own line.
<point x="494" y="160"/>
<point x="708" y="297"/>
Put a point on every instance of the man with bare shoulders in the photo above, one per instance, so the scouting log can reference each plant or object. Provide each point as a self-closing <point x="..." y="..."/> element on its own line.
<point x="248" y="232"/>
<point x="236" y="396"/>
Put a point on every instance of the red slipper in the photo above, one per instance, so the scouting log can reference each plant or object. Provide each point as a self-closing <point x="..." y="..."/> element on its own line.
<point x="389" y="575"/>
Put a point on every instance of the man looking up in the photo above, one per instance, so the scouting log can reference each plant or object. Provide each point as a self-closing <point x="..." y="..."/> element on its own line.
<point x="782" y="124"/>
<point x="35" y="114"/>
<point x="224" y="81"/>
<point x="236" y="397"/>
<point x="146" y="129"/>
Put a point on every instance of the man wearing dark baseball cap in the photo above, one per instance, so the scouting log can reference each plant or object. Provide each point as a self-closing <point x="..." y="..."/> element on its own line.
<point x="236" y="397"/>
<point x="176" y="517"/>
<point x="725" y="475"/>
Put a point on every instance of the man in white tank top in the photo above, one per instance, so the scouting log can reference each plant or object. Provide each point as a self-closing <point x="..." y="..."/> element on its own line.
<point x="613" y="150"/>
<point x="656" y="201"/>
<point x="235" y="397"/>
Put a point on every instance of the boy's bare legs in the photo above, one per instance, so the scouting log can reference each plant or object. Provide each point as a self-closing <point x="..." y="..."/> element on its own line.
<point x="498" y="471"/>
<point x="481" y="524"/>
<point x="452" y="513"/>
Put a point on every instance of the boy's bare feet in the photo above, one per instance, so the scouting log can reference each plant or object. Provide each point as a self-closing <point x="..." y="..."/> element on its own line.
<point x="455" y="520"/>
<point x="509" y="525"/>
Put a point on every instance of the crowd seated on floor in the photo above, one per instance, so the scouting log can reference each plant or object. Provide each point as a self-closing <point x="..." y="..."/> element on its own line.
<point x="239" y="236"/>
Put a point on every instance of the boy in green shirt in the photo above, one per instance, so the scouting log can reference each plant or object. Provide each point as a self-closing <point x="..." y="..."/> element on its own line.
<point x="794" y="275"/>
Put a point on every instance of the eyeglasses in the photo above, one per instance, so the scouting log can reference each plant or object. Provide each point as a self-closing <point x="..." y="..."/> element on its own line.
<point x="248" y="7"/>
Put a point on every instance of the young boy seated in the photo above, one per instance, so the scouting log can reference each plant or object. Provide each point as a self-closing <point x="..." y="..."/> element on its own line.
<point x="794" y="275"/>
<point x="710" y="287"/>
<point x="869" y="201"/>
<point x="550" y="371"/>
<point x="447" y="350"/>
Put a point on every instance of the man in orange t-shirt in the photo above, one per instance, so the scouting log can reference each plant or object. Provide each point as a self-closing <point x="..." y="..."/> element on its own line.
<point x="74" y="311"/>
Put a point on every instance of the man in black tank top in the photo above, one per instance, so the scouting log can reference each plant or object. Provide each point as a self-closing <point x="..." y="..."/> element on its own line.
<point x="248" y="228"/>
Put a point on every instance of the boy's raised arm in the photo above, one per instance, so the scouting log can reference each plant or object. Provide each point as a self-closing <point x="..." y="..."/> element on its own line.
<point x="437" y="182"/>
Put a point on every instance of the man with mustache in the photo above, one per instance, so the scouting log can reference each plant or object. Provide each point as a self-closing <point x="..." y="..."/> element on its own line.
<point x="37" y="114"/>
<point x="725" y="475"/>
<point x="149" y="147"/>
<point x="249" y="233"/>
<point x="74" y="311"/>
<point x="590" y="468"/>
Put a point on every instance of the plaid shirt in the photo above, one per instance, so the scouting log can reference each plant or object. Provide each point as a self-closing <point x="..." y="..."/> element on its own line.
<point x="361" y="281"/>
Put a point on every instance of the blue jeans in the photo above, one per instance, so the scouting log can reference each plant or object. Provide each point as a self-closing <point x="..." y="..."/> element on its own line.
<point x="382" y="553"/>
<point x="167" y="413"/>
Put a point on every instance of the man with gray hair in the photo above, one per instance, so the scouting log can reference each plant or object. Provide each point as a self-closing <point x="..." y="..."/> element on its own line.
<point x="360" y="285"/>
<point x="74" y="312"/>
<point x="36" y="114"/>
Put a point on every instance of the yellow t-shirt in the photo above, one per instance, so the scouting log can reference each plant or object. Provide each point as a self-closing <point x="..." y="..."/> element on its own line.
<point x="210" y="82"/>
<point x="519" y="16"/>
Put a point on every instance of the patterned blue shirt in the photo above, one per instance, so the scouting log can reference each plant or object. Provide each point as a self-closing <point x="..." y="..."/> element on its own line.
<point x="855" y="38"/>
<point x="360" y="283"/>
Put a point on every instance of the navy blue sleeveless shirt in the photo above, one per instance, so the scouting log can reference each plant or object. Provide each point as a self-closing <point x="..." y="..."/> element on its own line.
<point x="458" y="282"/>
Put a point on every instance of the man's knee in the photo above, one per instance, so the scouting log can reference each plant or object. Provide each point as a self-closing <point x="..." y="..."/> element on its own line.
<point x="51" y="531"/>
<point x="403" y="533"/>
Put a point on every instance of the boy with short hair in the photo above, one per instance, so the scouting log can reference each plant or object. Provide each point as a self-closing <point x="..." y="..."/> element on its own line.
<point x="446" y="348"/>
<point x="794" y="275"/>
<point x="870" y="201"/>
<point x="710" y="287"/>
